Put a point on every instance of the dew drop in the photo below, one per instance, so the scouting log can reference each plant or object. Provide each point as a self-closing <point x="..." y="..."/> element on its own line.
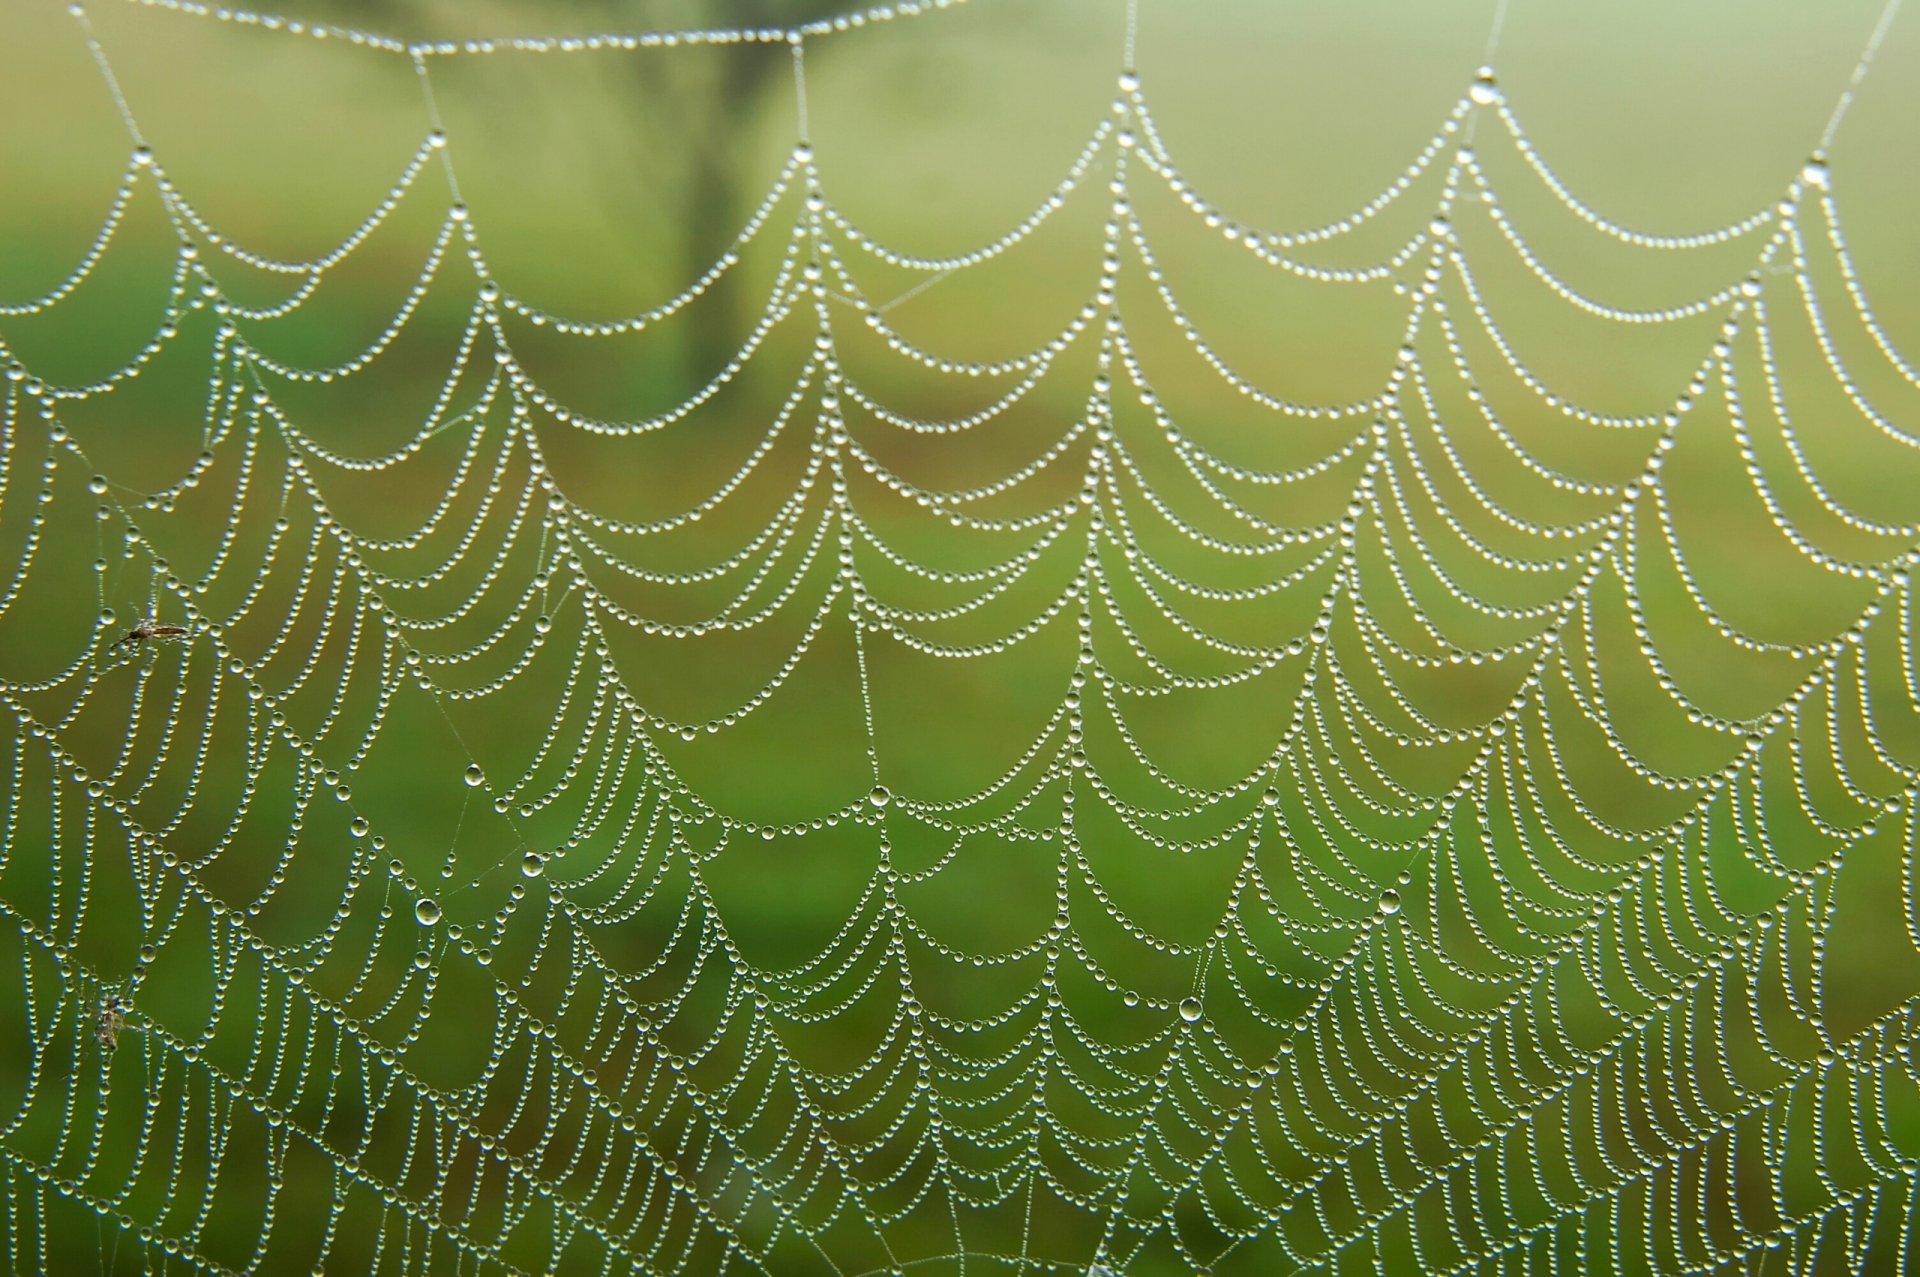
<point x="427" y="911"/>
<point x="533" y="864"/>
<point x="1389" y="901"/>
<point x="97" y="485"/>
<point x="475" y="777"/>
<point x="880" y="796"/>
<point x="1485" y="90"/>
<point x="148" y="953"/>
<point x="1190" y="1009"/>
<point x="1816" y="174"/>
<point x="359" y="827"/>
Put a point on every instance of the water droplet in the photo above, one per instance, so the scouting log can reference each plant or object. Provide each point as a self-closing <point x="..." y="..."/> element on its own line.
<point x="148" y="953"/>
<point x="475" y="777"/>
<point x="1827" y="1058"/>
<point x="1485" y="90"/>
<point x="1816" y="174"/>
<point x="97" y="485"/>
<point x="1129" y="82"/>
<point x="1190" y="1009"/>
<point x="533" y="864"/>
<point x="1131" y="998"/>
<point x="427" y="912"/>
<point x="1389" y="901"/>
<point x="359" y="827"/>
<point x="880" y="796"/>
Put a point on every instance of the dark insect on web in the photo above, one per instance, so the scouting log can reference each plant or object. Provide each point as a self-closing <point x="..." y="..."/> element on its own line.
<point x="148" y="630"/>
<point x="111" y="1020"/>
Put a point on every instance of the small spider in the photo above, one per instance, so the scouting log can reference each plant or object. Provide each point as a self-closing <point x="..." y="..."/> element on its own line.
<point x="111" y="1021"/>
<point x="147" y="630"/>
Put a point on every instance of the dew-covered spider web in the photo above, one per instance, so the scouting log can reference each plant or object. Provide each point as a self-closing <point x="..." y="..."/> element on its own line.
<point x="969" y="782"/>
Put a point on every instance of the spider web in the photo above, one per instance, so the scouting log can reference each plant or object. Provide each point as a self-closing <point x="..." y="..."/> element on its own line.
<point x="1415" y="851"/>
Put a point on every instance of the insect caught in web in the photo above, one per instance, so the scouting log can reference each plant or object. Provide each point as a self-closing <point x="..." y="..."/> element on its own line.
<point x="147" y="630"/>
<point x="110" y="1021"/>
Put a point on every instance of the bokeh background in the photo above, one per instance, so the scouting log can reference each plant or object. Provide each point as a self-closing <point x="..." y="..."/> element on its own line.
<point x="601" y="183"/>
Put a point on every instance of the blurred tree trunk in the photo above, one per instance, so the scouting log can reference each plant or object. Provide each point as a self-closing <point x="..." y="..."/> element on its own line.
<point x="719" y="109"/>
<point x="714" y="205"/>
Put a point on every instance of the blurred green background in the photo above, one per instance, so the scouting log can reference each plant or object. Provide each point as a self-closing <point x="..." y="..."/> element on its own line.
<point x="599" y="184"/>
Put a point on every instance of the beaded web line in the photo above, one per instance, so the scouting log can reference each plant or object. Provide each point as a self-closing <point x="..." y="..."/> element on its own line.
<point x="1466" y="1004"/>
